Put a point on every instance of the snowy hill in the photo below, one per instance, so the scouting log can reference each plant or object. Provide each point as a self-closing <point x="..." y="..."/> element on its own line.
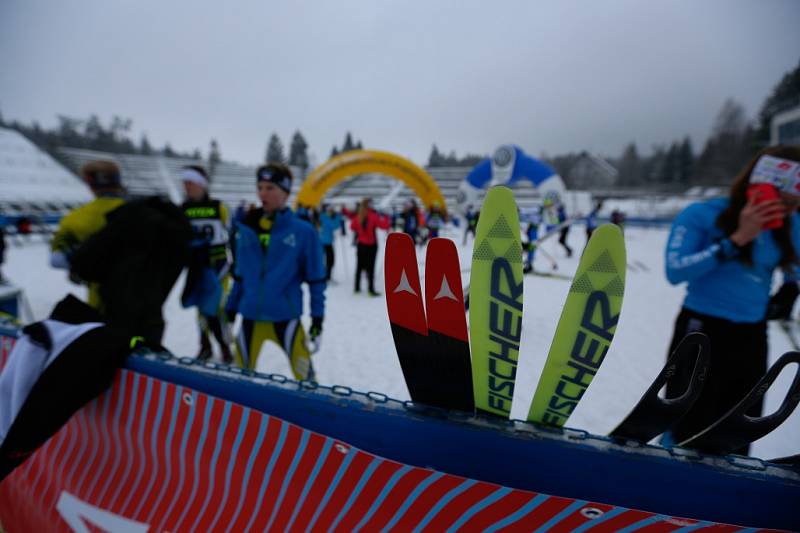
<point x="29" y="176"/>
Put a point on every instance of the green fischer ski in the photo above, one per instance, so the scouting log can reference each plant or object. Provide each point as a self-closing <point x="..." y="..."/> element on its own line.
<point x="585" y="329"/>
<point x="495" y="309"/>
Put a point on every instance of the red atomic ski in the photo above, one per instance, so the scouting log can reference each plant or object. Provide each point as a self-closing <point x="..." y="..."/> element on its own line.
<point x="407" y="318"/>
<point x="447" y="325"/>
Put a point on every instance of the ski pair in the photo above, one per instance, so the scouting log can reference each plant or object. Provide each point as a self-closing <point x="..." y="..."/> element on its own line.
<point x="584" y="332"/>
<point x="431" y="339"/>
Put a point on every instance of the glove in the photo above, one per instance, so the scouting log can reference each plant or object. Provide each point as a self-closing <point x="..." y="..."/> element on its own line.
<point x="230" y="314"/>
<point x="781" y="303"/>
<point x="315" y="334"/>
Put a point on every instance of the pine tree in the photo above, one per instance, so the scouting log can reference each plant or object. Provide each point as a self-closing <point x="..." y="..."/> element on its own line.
<point x="298" y="155"/>
<point x="630" y="167"/>
<point x="334" y="151"/>
<point x="275" y="150"/>
<point x="685" y="161"/>
<point x="785" y="95"/>
<point x="214" y="158"/>
<point x="168" y="151"/>
<point x="348" y="143"/>
<point x="144" y="146"/>
<point x="435" y="159"/>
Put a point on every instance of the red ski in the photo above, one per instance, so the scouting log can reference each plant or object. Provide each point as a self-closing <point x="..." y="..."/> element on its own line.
<point x="433" y="352"/>
<point x="407" y="317"/>
<point x="447" y="324"/>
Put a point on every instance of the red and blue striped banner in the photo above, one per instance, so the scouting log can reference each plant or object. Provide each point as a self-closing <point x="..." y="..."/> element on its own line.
<point x="149" y="455"/>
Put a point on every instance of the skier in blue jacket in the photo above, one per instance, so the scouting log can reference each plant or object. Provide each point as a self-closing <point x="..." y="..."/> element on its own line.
<point x="276" y="252"/>
<point x="329" y="222"/>
<point x="721" y="250"/>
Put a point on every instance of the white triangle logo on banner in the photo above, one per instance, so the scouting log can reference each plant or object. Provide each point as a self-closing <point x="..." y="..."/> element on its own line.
<point x="444" y="291"/>
<point x="404" y="285"/>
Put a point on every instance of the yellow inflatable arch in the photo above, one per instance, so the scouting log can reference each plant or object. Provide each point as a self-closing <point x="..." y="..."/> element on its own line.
<point x="356" y="162"/>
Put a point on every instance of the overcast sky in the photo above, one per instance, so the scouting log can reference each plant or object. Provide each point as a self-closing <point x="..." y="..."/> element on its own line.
<point x="401" y="75"/>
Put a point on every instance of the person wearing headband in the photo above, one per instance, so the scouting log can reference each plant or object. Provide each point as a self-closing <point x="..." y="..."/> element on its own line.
<point x="726" y="250"/>
<point x="276" y="252"/>
<point x="207" y="275"/>
<point x="104" y="180"/>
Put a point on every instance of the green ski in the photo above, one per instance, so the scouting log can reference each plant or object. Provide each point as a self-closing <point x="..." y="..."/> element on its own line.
<point x="585" y="329"/>
<point x="495" y="309"/>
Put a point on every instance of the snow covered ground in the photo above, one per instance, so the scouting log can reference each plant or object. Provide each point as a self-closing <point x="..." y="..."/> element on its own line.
<point x="358" y="351"/>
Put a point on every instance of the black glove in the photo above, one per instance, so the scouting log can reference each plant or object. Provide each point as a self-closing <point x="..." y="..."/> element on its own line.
<point x="316" y="327"/>
<point x="230" y="314"/>
<point x="781" y="303"/>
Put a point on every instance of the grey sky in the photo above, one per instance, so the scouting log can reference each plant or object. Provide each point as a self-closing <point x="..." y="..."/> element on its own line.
<point x="401" y="75"/>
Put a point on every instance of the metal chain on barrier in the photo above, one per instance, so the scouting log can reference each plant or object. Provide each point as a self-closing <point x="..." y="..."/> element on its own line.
<point x="516" y="426"/>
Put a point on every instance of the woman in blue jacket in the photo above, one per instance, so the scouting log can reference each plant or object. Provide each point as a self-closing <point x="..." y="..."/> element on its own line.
<point x="276" y="252"/>
<point x="720" y="249"/>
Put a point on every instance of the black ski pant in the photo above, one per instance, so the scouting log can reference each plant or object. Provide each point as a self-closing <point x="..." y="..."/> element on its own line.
<point x="329" y="258"/>
<point x="562" y="239"/>
<point x="738" y="361"/>
<point x="365" y="262"/>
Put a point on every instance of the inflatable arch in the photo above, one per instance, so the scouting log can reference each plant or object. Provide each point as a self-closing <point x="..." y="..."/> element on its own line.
<point x="508" y="165"/>
<point x="355" y="162"/>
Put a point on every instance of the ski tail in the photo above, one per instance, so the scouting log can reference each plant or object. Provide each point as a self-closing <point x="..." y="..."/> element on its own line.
<point x="736" y="429"/>
<point x="654" y="415"/>
<point x="495" y="306"/>
<point x="447" y="325"/>
<point x="585" y="330"/>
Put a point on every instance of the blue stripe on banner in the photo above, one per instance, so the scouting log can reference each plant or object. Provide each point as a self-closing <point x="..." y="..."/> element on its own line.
<point x="365" y="476"/>
<point x="140" y="446"/>
<point x="90" y="412"/>
<point x="382" y="496"/>
<point x="196" y="467"/>
<point x="272" y="460"/>
<point x="571" y="508"/>
<point x="233" y="454"/>
<point x="332" y="487"/>
<point x="479" y="506"/>
<point x="131" y="415"/>
<point x="262" y="430"/>
<point x="411" y="499"/>
<point x="176" y="404"/>
<point x="212" y="467"/>
<point x="455" y="491"/>
<point x="115" y="432"/>
<point x="608" y="515"/>
<point x="287" y="479"/>
<point x="642" y="523"/>
<point x="101" y="467"/>
<point x="181" y="452"/>
<point x="154" y="468"/>
<point x="83" y="432"/>
<point x="323" y="456"/>
<point x="695" y="527"/>
<point x="519" y="513"/>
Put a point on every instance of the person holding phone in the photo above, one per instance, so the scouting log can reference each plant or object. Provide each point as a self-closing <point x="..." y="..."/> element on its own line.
<point x="726" y="250"/>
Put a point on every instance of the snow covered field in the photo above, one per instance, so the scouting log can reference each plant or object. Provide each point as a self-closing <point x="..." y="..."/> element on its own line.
<point x="358" y="351"/>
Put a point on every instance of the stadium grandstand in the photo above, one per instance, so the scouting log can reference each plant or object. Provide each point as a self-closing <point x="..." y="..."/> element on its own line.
<point x="33" y="185"/>
<point x="36" y="185"/>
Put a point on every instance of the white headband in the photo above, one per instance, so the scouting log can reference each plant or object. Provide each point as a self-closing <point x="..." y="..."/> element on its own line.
<point x="782" y="173"/>
<point x="189" y="174"/>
